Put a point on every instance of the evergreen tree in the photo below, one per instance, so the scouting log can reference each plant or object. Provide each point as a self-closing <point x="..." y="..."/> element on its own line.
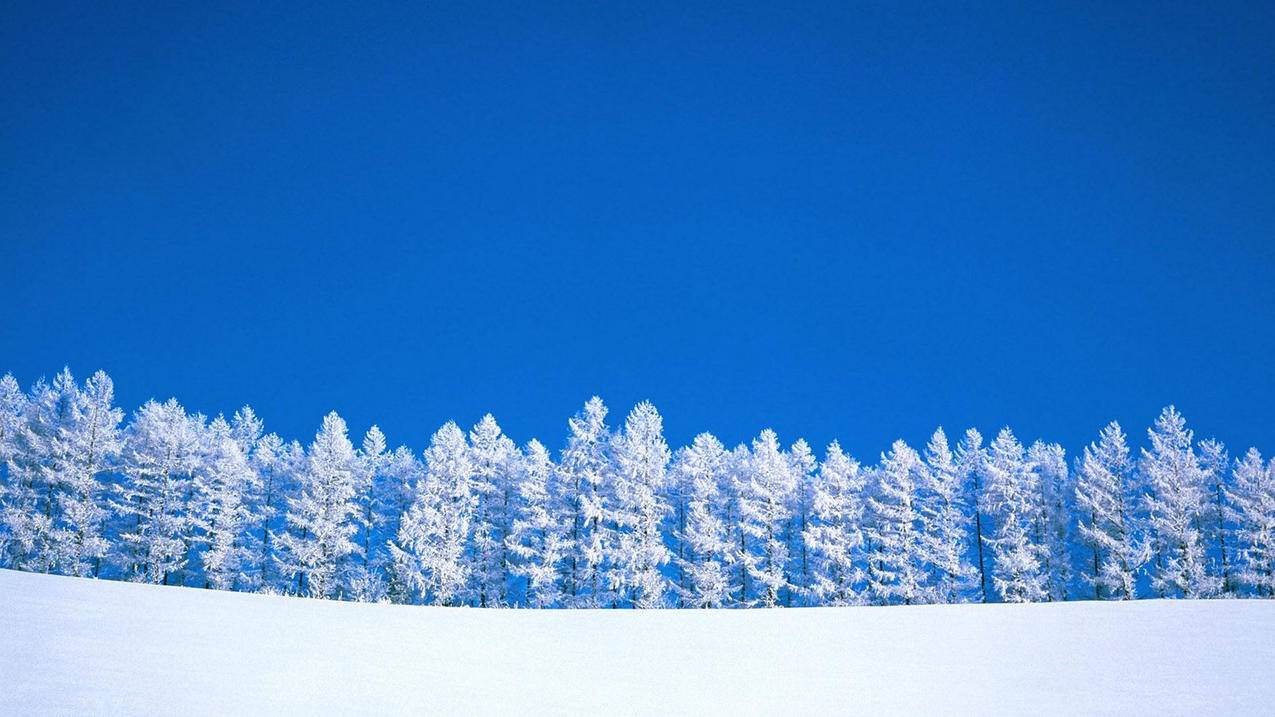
<point x="322" y="516"/>
<point x="1175" y="502"/>
<point x="82" y="448"/>
<point x="803" y="469"/>
<point x="834" y="534"/>
<point x="944" y="510"/>
<point x="1251" y="508"/>
<point x="1214" y="463"/>
<point x="764" y="502"/>
<point x="161" y="452"/>
<point x="1053" y="516"/>
<point x="536" y="540"/>
<point x="1104" y="501"/>
<point x="703" y="534"/>
<point x="641" y="463"/>
<point x="970" y="458"/>
<point x="221" y="511"/>
<point x="494" y="457"/>
<point x="587" y="476"/>
<point x="893" y="531"/>
<point x="429" y="560"/>
<point x="1009" y="497"/>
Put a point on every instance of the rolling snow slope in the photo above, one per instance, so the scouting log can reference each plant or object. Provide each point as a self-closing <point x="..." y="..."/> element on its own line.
<point x="73" y="646"/>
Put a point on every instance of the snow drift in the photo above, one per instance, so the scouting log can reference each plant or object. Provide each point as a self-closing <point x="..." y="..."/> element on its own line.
<point x="76" y="646"/>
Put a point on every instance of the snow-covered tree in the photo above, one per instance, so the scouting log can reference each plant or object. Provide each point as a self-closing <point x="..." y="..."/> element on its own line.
<point x="536" y="540"/>
<point x="736" y="492"/>
<point x="161" y="452"/>
<point x="1175" y="502"/>
<point x="1105" y="503"/>
<point x="1010" y="489"/>
<point x="429" y="562"/>
<point x="764" y="501"/>
<point x="703" y="534"/>
<point x="945" y="510"/>
<point x="80" y="448"/>
<point x="322" y="515"/>
<point x="803" y="469"/>
<point x="641" y="465"/>
<point x="13" y="408"/>
<point x="969" y="458"/>
<point x="1052" y="521"/>
<point x="494" y="457"/>
<point x="1214" y="466"/>
<point x="834" y="534"/>
<point x="896" y="553"/>
<point x="1251" y="509"/>
<point x="221" y="511"/>
<point x="587" y="474"/>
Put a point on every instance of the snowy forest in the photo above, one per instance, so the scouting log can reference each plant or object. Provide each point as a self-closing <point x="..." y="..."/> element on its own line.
<point x="618" y="519"/>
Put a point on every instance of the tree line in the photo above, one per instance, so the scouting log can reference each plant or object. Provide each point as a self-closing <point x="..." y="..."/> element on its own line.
<point x="619" y="519"/>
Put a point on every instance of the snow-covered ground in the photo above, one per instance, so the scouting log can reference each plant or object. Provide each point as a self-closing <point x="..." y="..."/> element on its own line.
<point x="72" y="646"/>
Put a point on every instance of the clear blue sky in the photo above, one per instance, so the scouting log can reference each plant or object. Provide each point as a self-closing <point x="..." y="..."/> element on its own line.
<point x="840" y="221"/>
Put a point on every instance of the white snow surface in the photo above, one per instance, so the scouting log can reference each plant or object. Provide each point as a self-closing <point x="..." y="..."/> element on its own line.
<point x="77" y="646"/>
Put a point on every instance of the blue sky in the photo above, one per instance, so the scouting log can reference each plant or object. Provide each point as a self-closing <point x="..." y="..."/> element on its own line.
<point x="845" y="221"/>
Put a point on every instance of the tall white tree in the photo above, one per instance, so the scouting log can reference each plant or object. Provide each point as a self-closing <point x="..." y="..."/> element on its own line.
<point x="703" y="534"/>
<point x="1010" y="489"/>
<point x="641" y="462"/>
<point x="893" y="531"/>
<point x="834" y="533"/>
<point x="1175" y="503"/>
<point x="1053" y="516"/>
<point x="494" y="457"/>
<point x="536" y="540"/>
<point x="429" y="559"/>
<point x="944" y="510"/>
<point x="82" y="448"/>
<point x="221" y="511"/>
<point x="587" y="472"/>
<point x="764" y="503"/>
<point x="1215" y="467"/>
<point x="1251" y="508"/>
<point x="322" y="516"/>
<point x="970" y="457"/>
<point x="1105" y="506"/>
<point x="804" y="464"/>
<point x="161" y="452"/>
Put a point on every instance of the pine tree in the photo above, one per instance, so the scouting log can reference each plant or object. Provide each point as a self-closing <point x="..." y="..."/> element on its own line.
<point x="1214" y="463"/>
<point x="834" y="534"/>
<point x="764" y="502"/>
<point x="803" y="468"/>
<point x="223" y="481"/>
<point x="161" y="452"/>
<point x="641" y="465"/>
<point x="970" y="458"/>
<point x="536" y="540"/>
<point x="494" y="457"/>
<point x="81" y="449"/>
<point x="13" y="408"/>
<point x="736" y="492"/>
<point x="587" y="476"/>
<point x="364" y="575"/>
<point x="1175" y="502"/>
<point x="893" y="531"/>
<point x="322" y="516"/>
<point x="1053" y="516"/>
<point x="702" y="534"/>
<point x="1010" y="488"/>
<point x="944" y="510"/>
<point x="1104" y="501"/>
<point x="429" y="561"/>
<point x="1251" y="508"/>
<point x="30" y="502"/>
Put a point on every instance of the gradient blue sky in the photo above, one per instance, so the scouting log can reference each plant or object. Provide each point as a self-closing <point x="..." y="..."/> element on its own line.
<point x="844" y="221"/>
